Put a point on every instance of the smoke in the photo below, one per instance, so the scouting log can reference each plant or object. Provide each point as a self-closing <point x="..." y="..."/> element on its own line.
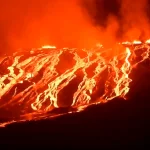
<point x="33" y="23"/>
<point x="70" y="23"/>
<point x="135" y="21"/>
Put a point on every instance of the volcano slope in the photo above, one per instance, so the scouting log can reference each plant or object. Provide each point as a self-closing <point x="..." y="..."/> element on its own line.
<point x="118" y="122"/>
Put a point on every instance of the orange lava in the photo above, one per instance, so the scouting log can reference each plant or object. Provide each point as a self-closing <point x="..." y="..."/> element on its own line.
<point x="35" y="83"/>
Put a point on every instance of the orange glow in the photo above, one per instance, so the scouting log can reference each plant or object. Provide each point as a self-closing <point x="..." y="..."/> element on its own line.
<point x="147" y="41"/>
<point x="48" y="47"/>
<point x="130" y="43"/>
<point x="126" y="43"/>
<point x="60" y="22"/>
<point x="69" y="23"/>
<point x="137" y="42"/>
<point x="135" y="24"/>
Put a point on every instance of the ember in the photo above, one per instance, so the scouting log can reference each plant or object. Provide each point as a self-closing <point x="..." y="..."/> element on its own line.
<point x="35" y="84"/>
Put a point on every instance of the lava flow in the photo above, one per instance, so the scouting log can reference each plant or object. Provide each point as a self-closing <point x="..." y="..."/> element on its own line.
<point x="47" y="82"/>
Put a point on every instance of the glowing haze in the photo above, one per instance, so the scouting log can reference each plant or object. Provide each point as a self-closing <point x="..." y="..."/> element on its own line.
<point x="70" y="23"/>
<point x="135" y="19"/>
<point x="33" y="23"/>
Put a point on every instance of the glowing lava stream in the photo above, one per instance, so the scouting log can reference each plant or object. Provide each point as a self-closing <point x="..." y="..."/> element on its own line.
<point x="35" y="83"/>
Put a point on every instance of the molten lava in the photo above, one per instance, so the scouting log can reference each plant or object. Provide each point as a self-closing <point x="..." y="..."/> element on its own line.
<point x="35" y="84"/>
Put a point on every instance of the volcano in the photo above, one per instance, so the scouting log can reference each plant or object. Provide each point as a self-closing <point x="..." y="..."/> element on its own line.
<point x="41" y="84"/>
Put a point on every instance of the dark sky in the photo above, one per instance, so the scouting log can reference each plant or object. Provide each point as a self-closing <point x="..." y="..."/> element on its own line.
<point x="81" y="23"/>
